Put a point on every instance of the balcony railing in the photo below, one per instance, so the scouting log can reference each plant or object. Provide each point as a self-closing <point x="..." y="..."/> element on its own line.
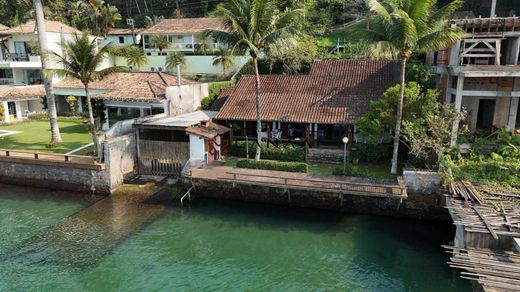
<point x="17" y="57"/>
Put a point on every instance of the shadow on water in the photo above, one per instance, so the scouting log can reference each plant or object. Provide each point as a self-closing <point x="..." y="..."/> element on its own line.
<point x="83" y="239"/>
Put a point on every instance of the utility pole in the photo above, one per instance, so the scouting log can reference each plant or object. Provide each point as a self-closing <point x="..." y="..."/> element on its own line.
<point x="130" y="22"/>
<point x="493" y="8"/>
<point x="47" y="80"/>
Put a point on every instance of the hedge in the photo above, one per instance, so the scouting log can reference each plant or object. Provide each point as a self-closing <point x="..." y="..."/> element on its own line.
<point x="281" y="153"/>
<point x="373" y="152"/>
<point x="273" y="165"/>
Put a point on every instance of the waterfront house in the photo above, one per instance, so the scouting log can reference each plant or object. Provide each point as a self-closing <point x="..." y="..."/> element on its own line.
<point x="481" y="73"/>
<point x="131" y="94"/>
<point x="317" y="109"/>
<point x="20" y="101"/>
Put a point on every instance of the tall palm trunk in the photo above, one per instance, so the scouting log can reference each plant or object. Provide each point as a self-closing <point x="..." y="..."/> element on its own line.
<point x="399" y="117"/>
<point x="258" y="118"/>
<point x="92" y="124"/>
<point x="47" y="81"/>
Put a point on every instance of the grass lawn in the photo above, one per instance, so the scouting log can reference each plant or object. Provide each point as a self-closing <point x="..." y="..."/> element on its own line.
<point x="373" y="170"/>
<point x="35" y="135"/>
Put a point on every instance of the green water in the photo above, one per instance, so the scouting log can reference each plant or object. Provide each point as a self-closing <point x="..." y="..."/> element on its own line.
<point x="215" y="245"/>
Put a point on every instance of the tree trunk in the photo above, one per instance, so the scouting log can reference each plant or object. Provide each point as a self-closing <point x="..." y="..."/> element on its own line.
<point x="47" y="81"/>
<point x="179" y="76"/>
<point x="258" y="118"/>
<point x="92" y="124"/>
<point x="399" y="118"/>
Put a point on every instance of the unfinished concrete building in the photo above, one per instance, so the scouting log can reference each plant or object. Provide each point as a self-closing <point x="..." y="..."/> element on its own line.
<point x="481" y="73"/>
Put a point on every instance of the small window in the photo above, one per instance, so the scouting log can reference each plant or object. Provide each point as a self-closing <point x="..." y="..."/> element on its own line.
<point x="121" y="39"/>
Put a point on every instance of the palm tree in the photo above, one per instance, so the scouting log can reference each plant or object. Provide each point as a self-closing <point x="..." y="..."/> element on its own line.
<point x="160" y="42"/>
<point x="253" y="25"/>
<point x="135" y="56"/>
<point x="224" y="58"/>
<point x="152" y="20"/>
<point x="49" y="90"/>
<point x="176" y="60"/>
<point x="109" y="15"/>
<point x="400" y="28"/>
<point x="80" y="61"/>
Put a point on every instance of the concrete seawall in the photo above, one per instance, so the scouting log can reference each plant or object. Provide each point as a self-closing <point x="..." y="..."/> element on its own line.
<point x="120" y="160"/>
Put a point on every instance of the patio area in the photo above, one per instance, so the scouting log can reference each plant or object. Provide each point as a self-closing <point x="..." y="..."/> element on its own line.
<point x="35" y="135"/>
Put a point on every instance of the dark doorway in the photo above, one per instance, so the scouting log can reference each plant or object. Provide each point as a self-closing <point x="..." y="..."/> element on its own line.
<point x="486" y="113"/>
<point x="12" y="108"/>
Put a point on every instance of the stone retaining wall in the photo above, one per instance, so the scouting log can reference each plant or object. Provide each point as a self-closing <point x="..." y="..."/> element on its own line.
<point x="120" y="160"/>
<point x="319" y="155"/>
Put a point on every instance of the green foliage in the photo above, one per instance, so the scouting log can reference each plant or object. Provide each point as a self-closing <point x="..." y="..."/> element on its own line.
<point x="214" y="90"/>
<point x="273" y="165"/>
<point x="174" y="59"/>
<point x="224" y="58"/>
<point x="289" y="153"/>
<point x="134" y="56"/>
<point x="72" y="101"/>
<point x="160" y="42"/>
<point x="419" y="72"/>
<point x="350" y="170"/>
<point x="294" y="55"/>
<point x="2" y="114"/>
<point x="379" y="122"/>
<point x="490" y="172"/>
<point x="372" y="152"/>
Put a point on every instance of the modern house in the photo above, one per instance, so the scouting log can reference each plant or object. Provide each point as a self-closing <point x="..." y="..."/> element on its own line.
<point x="133" y="94"/>
<point x="481" y="73"/>
<point x="317" y="109"/>
<point x="19" y="101"/>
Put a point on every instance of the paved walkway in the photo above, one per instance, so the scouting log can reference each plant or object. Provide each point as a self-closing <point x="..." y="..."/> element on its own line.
<point x="351" y="185"/>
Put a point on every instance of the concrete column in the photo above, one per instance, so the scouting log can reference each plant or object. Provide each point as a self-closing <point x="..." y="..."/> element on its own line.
<point x="493" y="8"/>
<point x="19" y="113"/>
<point x="80" y="104"/>
<point x="454" y="54"/>
<point x="5" y="105"/>
<point x="513" y="111"/>
<point x="513" y="50"/>
<point x="458" y="106"/>
<point x="142" y="112"/>
<point x="118" y="111"/>
<point x="106" y="124"/>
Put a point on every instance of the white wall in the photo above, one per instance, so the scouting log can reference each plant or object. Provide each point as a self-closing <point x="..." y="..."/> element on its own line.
<point x="187" y="98"/>
<point x="194" y="64"/>
<point x="196" y="148"/>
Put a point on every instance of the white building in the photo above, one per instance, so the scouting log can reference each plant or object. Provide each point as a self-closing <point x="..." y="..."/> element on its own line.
<point x="120" y="37"/>
<point x="20" y="65"/>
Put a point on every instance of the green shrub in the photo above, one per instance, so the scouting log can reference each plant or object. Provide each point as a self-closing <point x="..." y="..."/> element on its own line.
<point x="489" y="171"/>
<point x="282" y="153"/>
<point x="373" y="152"/>
<point x="38" y="116"/>
<point x="273" y="165"/>
<point x="214" y="89"/>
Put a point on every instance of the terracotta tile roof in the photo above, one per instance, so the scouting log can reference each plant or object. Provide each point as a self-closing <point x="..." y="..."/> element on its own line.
<point x="9" y="93"/>
<point x="50" y="26"/>
<point x="122" y="31"/>
<point x="221" y="99"/>
<point x="463" y="14"/>
<point x="141" y="86"/>
<point x="207" y="130"/>
<point x="335" y="92"/>
<point x="184" y="26"/>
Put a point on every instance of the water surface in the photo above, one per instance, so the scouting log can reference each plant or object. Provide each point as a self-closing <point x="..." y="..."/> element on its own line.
<point x="218" y="245"/>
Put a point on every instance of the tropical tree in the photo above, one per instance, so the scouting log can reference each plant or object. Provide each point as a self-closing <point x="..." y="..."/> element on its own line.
<point x="176" y="60"/>
<point x="49" y="90"/>
<point x="81" y="59"/>
<point x="135" y="56"/>
<point x="160" y="42"/>
<point x="152" y="20"/>
<point x="108" y="15"/>
<point x="253" y="25"/>
<point x="400" y="28"/>
<point x="224" y="58"/>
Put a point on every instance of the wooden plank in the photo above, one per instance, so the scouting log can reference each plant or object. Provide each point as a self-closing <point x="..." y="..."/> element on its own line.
<point x="486" y="222"/>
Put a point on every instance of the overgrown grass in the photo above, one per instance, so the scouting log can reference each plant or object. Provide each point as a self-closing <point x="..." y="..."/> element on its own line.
<point x="489" y="172"/>
<point x="36" y="135"/>
<point x="273" y="165"/>
<point x="288" y="153"/>
<point x="371" y="170"/>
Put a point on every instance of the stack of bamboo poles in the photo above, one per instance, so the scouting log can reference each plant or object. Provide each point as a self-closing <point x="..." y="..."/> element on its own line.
<point x="494" y="270"/>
